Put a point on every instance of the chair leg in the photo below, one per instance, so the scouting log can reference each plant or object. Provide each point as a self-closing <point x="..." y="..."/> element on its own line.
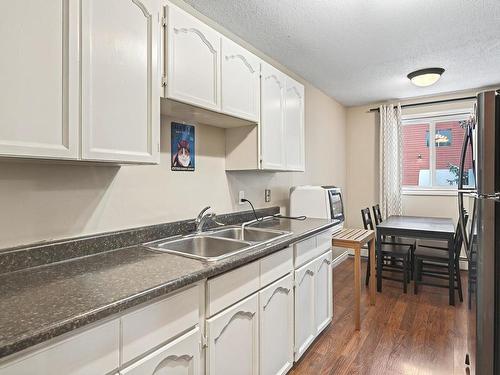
<point x="417" y="276"/>
<point x="412" y="251"/>
<point x="459" y="280"/>
<point x="405" y="275"/>
<point x="368" y="270"/>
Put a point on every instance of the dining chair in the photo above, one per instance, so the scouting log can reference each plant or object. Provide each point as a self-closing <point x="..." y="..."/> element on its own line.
<point x="396" y="256"/>
<point x="377" y="215"/>
<point x="432" y="260"/>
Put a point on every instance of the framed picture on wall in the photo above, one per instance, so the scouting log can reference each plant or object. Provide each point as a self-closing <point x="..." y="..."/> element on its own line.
<point x="182" y="146"/>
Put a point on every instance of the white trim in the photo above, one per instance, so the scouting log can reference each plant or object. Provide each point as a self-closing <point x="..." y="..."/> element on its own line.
<point x="452" y="112"/>
<point x="408" y="190"/>
<point x="339" y="259"/>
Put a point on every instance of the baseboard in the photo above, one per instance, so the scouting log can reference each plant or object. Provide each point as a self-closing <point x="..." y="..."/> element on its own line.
<point x="339" y="259"/>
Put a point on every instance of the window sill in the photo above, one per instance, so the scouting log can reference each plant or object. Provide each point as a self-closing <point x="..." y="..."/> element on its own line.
<point x="448" y="192"/>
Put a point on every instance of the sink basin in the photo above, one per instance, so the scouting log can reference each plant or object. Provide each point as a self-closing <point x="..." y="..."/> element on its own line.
<point x="202" y="247"/>
<point x="248" y="234"/>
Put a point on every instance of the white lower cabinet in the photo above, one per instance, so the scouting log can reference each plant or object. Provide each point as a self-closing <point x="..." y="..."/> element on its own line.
<point x="323" y="292"/>
<point x="94" y="351"/>
<point x="305" y="329"/>
<point x="313" y="298"/>
<point x="179" y="357"/>
<point x="276" y="327"/>
<point x="233" y="339"/>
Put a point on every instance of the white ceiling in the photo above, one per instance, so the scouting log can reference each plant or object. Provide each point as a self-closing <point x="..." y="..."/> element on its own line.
<point x="360" y="51"/>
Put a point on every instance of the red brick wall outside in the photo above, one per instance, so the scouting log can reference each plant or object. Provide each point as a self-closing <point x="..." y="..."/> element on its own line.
<point x="414" y="138"/>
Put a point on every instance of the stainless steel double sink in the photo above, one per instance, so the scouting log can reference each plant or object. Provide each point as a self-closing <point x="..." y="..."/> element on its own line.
<point x="217" y="244"/>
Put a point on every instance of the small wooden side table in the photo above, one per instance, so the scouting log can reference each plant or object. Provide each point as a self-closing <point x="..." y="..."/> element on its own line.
<point x="355" y="239"/>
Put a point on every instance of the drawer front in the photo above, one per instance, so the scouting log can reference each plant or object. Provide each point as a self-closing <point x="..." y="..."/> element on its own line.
<point x="95" y="351"/>
<point x="302" y="251"/>
<point x="275" y="266"/>
<point x="229" y="288"/>
<point x="324" y="240"/>
<point x="179" y="357"/>
<point x="152" y="325"/>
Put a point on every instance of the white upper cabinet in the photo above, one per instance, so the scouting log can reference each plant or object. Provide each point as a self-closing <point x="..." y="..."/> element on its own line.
<point x="272" y="117"/>
<point x="39" y="90"/>
<point x="294" y="125"/>
<point x="240" y="81"/>
<point x="193" y="60"/>
<point x="120" y="81"/>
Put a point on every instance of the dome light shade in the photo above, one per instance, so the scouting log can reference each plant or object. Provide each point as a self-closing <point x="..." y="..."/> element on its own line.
<point x="425" y="77"/>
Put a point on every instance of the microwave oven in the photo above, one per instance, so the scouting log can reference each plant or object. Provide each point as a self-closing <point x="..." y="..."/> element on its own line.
<point x="324" y="202"/>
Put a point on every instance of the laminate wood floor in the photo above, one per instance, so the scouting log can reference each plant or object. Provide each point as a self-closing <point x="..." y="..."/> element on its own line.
<point x="403" y="334"/>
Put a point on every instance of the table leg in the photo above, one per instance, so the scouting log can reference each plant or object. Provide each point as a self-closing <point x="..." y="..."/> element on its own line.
<point x="371" y="247"/>
<point x="379" y="261"/>
<point x="451" y="272"/>
<point x="357" y="288"/>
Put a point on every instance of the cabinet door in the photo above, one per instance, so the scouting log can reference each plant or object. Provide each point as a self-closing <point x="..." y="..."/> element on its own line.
<point x="240" y="81"/>
<point x="120" y="86"/>
<point x="323" y="292"/>
<point x="305" y="329"/>
<point x="276" y="327"/>
<point x="294" y="125"/>
<point x="272" y="111"/>
<point x="180" y="357"/>
<point x="39" y="79"/>
<point x="193" y="60"/>
<point x="233" y="339"/>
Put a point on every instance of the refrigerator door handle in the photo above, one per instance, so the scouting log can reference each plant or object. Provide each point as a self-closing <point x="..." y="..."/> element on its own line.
<point x="461" y="220"/>
<point x="463" y="155"/>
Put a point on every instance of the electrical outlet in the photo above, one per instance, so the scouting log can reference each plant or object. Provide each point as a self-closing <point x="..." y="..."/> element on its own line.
<point x="267" y="195"/>
<point x="241" y="195"/>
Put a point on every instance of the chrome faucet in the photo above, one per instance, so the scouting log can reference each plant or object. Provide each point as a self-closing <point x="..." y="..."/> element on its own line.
<point x="203" y="218"/>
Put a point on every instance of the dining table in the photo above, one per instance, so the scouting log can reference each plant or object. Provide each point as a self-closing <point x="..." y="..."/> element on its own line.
<point x="418" y="227"/>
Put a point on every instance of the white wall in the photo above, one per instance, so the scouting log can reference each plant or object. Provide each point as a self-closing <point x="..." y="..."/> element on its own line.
<point x="45" y="200"/>
<point x="363" y="167"/>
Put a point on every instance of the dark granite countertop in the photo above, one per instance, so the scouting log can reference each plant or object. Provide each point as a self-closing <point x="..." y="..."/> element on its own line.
<point x="43" y="302"/>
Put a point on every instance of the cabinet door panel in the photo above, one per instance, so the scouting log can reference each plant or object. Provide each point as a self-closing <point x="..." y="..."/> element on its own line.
<point x="276" y="327"/>
<point x="180" y="357"/>
<point x="233" y="339"/>
<point x="305" y="329"/>
<point x="272" y="108"/>
<point x="240" y="81"/>
<point x="323" y="291"/>
<point x="39" y="79"/>
<point x="193" y="54"/>
<point x="294" y="125"/>
<point x="120" y="87"/>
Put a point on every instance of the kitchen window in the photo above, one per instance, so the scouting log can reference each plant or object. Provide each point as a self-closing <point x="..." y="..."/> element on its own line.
<point x="431" y="147"/>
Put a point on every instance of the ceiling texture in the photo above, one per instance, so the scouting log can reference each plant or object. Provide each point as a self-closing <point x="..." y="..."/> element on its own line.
<point x="360" y="51"/>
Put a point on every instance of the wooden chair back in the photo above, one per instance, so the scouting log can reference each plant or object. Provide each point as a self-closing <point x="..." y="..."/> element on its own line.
<point x="377" y="215"/>
<point x="367" y="218"/>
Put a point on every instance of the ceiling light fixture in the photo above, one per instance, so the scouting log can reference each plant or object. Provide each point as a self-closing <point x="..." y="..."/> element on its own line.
<point x="425" y="77"/>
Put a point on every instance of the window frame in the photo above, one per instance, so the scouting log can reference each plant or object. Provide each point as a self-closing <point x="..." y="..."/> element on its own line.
<point x="431" y="118"/>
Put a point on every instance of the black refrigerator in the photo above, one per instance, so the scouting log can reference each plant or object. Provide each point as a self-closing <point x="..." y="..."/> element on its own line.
<point x="479" y="193"/>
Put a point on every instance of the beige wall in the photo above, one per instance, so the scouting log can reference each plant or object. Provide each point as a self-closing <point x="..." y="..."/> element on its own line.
<point x="43" y="201"/>
<point x="362" y="163"/>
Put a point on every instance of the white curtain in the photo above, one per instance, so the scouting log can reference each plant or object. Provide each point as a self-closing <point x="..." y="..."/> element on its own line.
<point x="390" y="160"/>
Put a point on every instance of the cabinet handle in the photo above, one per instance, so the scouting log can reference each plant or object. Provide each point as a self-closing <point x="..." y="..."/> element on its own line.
<point x="308" y="272"/>
<point x="276" y="291"/>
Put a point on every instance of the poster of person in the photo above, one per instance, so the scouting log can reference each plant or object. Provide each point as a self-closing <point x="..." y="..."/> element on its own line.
<point x="182" y="142"/>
